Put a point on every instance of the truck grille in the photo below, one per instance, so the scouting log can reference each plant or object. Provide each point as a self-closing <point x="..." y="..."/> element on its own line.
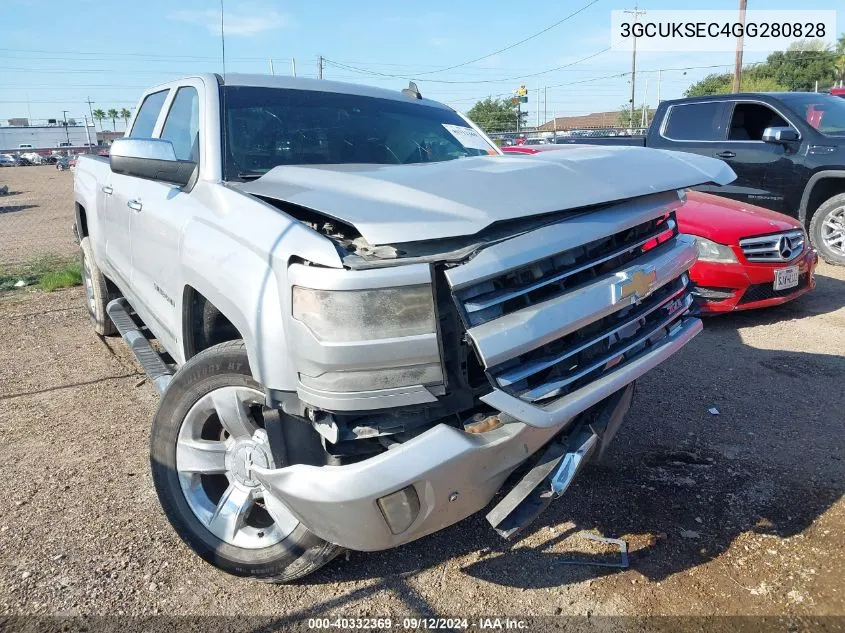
<point x="549" y="326"/>
<point x="550" y="277"/>
<point x="779" y="247"/>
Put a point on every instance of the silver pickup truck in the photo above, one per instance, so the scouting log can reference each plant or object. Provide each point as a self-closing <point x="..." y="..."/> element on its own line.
<point x="363" y="318"/>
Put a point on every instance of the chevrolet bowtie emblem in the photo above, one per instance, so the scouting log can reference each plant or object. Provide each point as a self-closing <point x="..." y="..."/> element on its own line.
<point x="638" y="283"/>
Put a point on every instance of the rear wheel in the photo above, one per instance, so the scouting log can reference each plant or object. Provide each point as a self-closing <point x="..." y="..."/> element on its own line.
<point x="207" y="434"/>
<point x="97" y="294"/>
<point x="827" y="230"/>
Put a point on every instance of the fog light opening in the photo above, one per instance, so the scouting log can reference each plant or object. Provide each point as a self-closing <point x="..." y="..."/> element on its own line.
<point x="400" y="509"/>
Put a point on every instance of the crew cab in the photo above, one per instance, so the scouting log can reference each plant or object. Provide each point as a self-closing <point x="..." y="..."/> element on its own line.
<point x="786" y="148"/>
<point x="363" y="325"/>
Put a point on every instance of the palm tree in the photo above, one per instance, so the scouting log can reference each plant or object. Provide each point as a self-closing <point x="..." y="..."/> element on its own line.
<point x="125" y="115"/>
<point x="100" y="116"/>
<point x="113" y="114"/>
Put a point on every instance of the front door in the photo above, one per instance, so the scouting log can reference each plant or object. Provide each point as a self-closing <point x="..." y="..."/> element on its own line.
<point x="161" y="212"/>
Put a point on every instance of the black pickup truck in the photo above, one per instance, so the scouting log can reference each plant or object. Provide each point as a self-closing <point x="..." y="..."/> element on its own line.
<point x="787" y="149"/>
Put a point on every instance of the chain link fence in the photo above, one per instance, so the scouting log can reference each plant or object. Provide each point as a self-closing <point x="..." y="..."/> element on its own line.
<point x="36" y="219"/>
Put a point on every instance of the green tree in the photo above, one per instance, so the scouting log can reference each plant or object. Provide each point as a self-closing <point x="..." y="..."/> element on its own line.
<point x="125" y="115"/>
<point x="623" y="119"/>
<point x="722" y="83"/>
<point x="494" y="115"/>
<point x="99" y="115"/>
<point x="802" y="66"/>
<point x="113" y="114"/>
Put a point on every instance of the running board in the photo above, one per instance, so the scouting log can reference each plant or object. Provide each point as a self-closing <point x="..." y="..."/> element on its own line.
<point x="155" y="368"/>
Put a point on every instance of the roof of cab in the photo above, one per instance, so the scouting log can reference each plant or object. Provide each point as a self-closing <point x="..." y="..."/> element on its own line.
<point x="299" y="83"/>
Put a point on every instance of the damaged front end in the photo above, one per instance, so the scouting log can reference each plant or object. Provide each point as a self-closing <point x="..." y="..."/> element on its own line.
<point x="430" y="383"/>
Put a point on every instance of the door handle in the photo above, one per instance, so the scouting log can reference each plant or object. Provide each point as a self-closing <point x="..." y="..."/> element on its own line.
<point x="725" y="154"/>
<point x="107" y="190"/>
<point x="135" y="205"/>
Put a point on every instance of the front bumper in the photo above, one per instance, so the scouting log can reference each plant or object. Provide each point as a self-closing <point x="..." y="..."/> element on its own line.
<point x="454" y="473"/>
<point x="737" y="286"/>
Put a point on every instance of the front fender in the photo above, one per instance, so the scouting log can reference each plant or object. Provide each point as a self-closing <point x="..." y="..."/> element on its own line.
<point x="241" y="269"/>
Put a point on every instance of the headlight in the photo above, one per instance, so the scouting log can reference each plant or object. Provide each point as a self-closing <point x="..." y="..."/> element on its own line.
<point x="362" y="315"/>
<point x="710" y="251"/>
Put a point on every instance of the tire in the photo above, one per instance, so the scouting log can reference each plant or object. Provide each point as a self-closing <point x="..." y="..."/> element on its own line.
<point x="220" y="373"/>
<point x="97" y="294"/>
<point x="830" y="214"/>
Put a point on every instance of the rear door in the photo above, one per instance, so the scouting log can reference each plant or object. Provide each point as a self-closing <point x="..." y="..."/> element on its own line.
<point x="119" y="190"/>
<point x="162" y="209"/>
<point x="698" y="127"/>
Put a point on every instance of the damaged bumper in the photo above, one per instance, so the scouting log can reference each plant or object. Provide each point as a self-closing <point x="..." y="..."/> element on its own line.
<point x="444" y="474"/>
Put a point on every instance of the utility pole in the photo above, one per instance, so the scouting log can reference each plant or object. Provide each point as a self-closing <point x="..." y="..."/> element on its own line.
<point x="87" y="133"/>
<point x="293" y="66"/>
<point x="67" y="132"/>
<point x="320" y="67"/>
<point x="659" y="81"/>
<point x="545" y="104"/>
<point x="737" y="83"/>
<point x="644" y="117"/>
<point x="90" y="109"/>
<point x="636" y="14"/>
<point x="272" y="72"/>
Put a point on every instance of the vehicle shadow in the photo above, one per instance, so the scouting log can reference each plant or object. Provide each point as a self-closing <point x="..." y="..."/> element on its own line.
<point x="680" y="483"/>
<point x="13" y="208"/>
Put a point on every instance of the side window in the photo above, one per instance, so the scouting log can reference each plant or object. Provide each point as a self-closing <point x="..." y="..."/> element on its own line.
<point x="695" y="122"/>
<point x="145" y="121"/>
<point x="181" y="127"/>
<point x="750" y="119"/>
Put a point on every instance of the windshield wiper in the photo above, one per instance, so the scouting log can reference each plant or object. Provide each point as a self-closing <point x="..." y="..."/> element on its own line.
<point x="249" y="175"/>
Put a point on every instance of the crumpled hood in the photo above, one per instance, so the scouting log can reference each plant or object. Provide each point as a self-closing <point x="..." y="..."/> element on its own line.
<point x="391" y="204"/>
<point x="727" y="221"/>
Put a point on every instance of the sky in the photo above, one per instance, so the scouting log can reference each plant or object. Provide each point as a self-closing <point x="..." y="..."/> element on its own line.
<point x="55" y="54"/>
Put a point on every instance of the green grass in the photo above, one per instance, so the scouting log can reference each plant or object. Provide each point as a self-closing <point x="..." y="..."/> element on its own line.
<point x="46" y="273"/>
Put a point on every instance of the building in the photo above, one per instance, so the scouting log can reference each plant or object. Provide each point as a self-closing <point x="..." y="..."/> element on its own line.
<point x="52" y="134"/>
<point x="589" y="121"/>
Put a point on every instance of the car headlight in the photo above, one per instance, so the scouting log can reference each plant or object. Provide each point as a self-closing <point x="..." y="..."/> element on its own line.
<point x="362" y="315"/>
<point x="710" y="251"/>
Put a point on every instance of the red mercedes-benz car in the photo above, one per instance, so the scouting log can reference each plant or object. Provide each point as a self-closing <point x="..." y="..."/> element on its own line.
<point x="748" y="257"/>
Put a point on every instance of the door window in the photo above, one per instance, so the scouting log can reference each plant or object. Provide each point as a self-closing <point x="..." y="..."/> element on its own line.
<point x="181" y="127"/>
<point x="695" y="122"/>
<point x="750" y="119"/>
<point x="145" y="121"/>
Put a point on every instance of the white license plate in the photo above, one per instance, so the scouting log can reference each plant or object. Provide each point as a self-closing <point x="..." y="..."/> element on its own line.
<point x="786" y="278"/>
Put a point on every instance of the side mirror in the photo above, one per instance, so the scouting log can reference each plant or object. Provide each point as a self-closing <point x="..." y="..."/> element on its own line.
<point x="780" y="135"/>
<point x="151" y="159"/>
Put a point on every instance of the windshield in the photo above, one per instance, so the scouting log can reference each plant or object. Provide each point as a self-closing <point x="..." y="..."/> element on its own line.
<point x="267" y="127"/>
<point x="823" y="112"/>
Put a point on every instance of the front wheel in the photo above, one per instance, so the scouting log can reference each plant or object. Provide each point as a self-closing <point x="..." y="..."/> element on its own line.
<point x="827" y="230"/>
<point x="207" y="433"/>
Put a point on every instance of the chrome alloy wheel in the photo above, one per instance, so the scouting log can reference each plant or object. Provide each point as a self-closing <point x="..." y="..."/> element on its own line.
<point x="833" y="231"/>
<point x="221" y="439"/>
<point x="89" y="286"/>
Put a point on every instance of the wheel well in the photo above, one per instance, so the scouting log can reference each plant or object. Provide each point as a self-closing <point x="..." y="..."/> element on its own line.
<point x="823" y="190"/>
<point x="81" y="221"/>
<point x="204" y="325"/>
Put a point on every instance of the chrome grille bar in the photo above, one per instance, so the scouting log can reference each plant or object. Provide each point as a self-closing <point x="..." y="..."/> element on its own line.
<point x="485" y="301"/>
<point x="778" y="247"/>
<point x="552" y="389"/>
<point x="508" y="378"/>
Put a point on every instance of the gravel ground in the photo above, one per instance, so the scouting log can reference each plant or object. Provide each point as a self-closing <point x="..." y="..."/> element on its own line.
<point x="35" y="217"/>
<point x="729" y="514"/>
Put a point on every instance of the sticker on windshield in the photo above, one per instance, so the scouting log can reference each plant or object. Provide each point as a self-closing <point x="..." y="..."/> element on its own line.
<point x="467" y="137"/>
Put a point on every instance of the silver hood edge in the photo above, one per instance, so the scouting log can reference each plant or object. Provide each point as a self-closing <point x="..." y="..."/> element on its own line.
<point x="395" y="204"/>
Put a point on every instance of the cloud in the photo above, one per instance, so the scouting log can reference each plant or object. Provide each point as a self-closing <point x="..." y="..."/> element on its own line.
<point x="244" y="20"/>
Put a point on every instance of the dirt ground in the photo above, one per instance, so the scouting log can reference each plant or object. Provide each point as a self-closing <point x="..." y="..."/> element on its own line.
<point x="740" y="513"/>
<point x="36" y="215"/>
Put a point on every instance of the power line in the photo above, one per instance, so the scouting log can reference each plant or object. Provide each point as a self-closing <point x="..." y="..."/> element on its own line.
<point x="475" y="81"/>
<point x="515" y="44"/>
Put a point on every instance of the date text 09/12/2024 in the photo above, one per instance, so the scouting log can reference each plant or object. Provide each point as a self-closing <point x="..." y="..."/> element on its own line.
<point x="490" y="623"/>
